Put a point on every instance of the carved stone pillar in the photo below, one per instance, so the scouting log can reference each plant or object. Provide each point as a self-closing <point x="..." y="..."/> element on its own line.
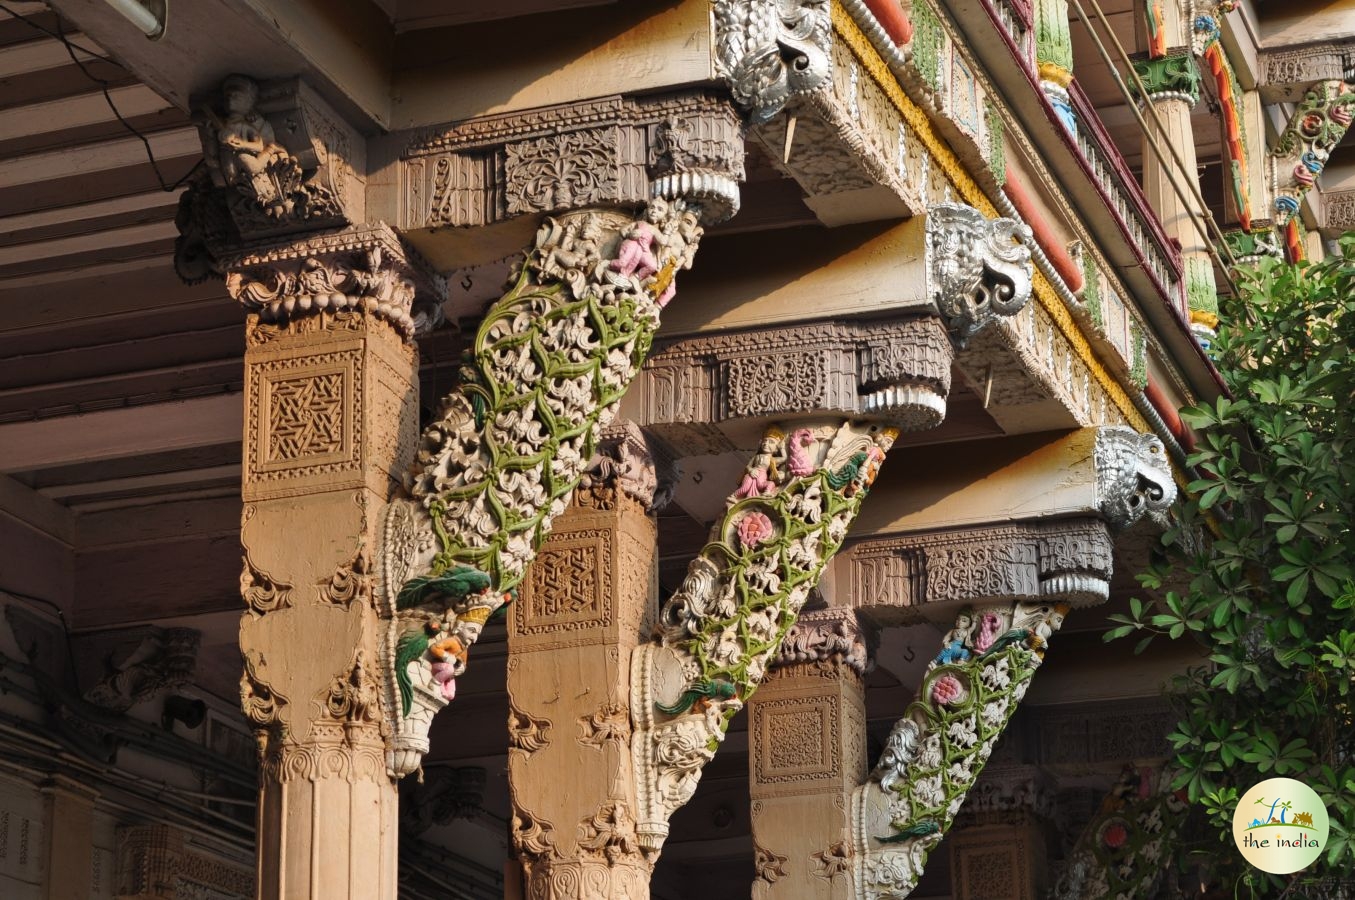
<point x="807" y="753"/>
<point x="585" y="605"/>
<point x="1173" y="86"/>
<point x="331" y="413"/>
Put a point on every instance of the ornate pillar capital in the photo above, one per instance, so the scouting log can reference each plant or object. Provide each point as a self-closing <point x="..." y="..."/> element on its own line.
<point x="1171" y="77"/>
<point x="770" y="51"/>
<point x="1133" y="476"/>
<point x="979" y="269"/>
<point x="364" y="269"/>
<point x="827" y="641"/>
<point x="628" y="465"/>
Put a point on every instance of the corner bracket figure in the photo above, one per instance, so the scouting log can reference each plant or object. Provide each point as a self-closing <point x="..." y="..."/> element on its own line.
<point x="771" y="51"/>
<point x="1133" y="477"/>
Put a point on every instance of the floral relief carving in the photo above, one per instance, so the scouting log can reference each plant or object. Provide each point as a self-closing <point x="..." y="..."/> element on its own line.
<point x="609" y="724"/>
<point x="260" y="592"/>
<point x="527" y="733"/>
<point x="610" y="832"/>
<point x="835" y="861"/>
<point x="770" y="867"/>
<point x="561" y="171"/>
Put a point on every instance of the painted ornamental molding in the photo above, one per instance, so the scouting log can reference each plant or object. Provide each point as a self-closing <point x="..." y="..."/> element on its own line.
<point x="1319" y="123"/>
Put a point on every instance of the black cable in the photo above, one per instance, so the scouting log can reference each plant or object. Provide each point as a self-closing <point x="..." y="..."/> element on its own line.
<point x="60" y="35"/>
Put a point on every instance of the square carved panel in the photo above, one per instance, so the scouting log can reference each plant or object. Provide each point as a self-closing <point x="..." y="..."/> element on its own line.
<point x="798" y="741"/>
<point x="304" y="421"/>
<point x="568" y="587"/>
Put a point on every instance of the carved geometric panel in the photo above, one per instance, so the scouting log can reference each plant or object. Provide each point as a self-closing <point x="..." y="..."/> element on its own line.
<point x="304" y="421"/>
<point x="995" y="863"/>
<point x="569" y="586"/>
<point x="797" y="741"/>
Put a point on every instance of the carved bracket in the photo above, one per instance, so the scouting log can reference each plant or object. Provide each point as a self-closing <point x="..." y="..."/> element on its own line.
<point x="1067" y="561"/>
<point x="979" y="269"/>
<point x="1319" y="123"/>
<point x="720" y="631"/>
<point x="551" y="361"/>
<point x="827" y="640"/>
<point x="1133" y="477"/>
<point x="283" y="159"/>
<point x="898" y="372"/>
<point x="366" y="269"/>
<point x="614" y="150"/>
<point x="934" y="754"/>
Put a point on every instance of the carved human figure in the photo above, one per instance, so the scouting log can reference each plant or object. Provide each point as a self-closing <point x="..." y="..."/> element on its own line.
<point x="250" y="155"/>
<point x="761" y="476"/>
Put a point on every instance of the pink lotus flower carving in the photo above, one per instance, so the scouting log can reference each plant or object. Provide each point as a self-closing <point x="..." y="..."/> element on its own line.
<point x="946" y="690"/>
<point x="753" y="529"/>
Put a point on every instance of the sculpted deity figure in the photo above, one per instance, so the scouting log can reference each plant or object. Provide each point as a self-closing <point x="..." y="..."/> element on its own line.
<point x="249" y="156"/>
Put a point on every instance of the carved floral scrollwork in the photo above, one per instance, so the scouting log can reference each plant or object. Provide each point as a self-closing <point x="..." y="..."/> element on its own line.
<point x="534" y="839"/>
<point x="260" y="592"/>
<point x="1133" y="476"/>
<point x="353" y="696"/>
<point x="549" y="366"/>
<point x="938" y="748"/>
<point x="609" y="723"/>
<point x="610" y="832"/>
<point x="350" y="581"/>
<point x="827" y="639"/>
<point x="834" y="861"/>
<point x="770" y="867"/>
<point x="527" y="733"/>
<point x="771" y="51"/>
<point x="719" y="632"/>
<point x="979" y="268"/>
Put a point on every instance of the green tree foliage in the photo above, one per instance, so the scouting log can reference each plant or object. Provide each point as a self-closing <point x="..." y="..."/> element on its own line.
<point x="1268" y="595"/>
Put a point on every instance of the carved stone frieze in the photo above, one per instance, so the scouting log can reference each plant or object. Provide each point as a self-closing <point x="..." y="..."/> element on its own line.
<point x="896" y="371"/>
<point x="1064" y="560"/>
<point x="365" y="269"/>
<point x="979" y="269"/>
<point x="1288" y="71"/>
<point x="827" y="640"/>
<point x="1133" y="477"/>
<point x="614" y="150"/>
<point x="154" y="863"/>
<point x="1339" y="209"/>
<point x="283" y="160"/>
<point x="771" y="52"/>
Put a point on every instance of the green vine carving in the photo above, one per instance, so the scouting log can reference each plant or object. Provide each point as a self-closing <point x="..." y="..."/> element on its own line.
<point x="928" y="38"/>
<point x="1053" y="37"/>
<point x="1091" y="293"/>
<point x="997" y="148"/>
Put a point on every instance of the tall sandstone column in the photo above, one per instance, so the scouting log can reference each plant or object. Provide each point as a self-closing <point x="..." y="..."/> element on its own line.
<point x="587" y="603"/>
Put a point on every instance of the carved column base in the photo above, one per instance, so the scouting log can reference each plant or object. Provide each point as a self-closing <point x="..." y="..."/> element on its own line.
<point x="586" y="879"/>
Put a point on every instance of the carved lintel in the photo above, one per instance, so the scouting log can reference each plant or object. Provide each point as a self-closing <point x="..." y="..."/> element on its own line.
<point x="897" y="371"/>
<point x="1066" y="560"/>
<point x="827" y="640"/>
<point x="771" y="52"/>
<point x="979" y="269"/>
<point x="365" y="269"/>
<point x="1133" y="476"/>
<point x="282" y="158"/>
<point x="610" y="151"/>
<point x="1288" y="71"/>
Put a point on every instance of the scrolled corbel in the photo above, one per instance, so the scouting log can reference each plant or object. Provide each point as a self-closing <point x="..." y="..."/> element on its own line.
<point x="980" y="269"/>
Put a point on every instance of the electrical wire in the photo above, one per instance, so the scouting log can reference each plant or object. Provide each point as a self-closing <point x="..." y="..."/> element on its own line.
<point x="104" y="84"/>
<point x="1193" y="194"/>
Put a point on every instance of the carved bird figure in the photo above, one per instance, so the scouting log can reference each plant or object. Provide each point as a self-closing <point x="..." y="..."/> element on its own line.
<point x="699" y="690"/>
<point x="908" y="832"/>
<point x="458" y="584"/>
<point x="411" y="646"/>
<point x="845" y="475"/>
<point x="1015" y="636"/>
